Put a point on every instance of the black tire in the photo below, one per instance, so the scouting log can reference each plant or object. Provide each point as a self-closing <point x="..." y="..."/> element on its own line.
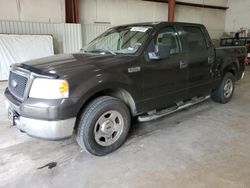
<point x="219" y="94"/>
<point x="88" y="122"/>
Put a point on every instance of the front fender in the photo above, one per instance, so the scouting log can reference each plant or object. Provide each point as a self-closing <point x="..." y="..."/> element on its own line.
<point x="101" y="84"/>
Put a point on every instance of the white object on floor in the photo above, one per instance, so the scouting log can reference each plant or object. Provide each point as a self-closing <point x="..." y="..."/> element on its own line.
<point x="21" y="48"/>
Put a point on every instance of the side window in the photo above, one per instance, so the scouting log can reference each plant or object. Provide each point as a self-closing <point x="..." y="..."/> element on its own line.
<point x="194" y="38"/>
<point x="168" y="37"/>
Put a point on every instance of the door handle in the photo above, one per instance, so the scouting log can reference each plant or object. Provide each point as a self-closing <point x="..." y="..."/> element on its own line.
<point x="210" y="60"/>
<point x="183" y="64"/>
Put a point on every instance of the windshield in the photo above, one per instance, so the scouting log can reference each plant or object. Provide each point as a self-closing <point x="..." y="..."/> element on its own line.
<point x="124" y="40"/>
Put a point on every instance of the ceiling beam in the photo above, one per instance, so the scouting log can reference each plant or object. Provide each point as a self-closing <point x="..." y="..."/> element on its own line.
<point x="192" y="4"/>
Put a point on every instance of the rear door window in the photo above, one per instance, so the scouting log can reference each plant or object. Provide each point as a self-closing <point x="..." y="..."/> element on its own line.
<point x="194" y="38"/>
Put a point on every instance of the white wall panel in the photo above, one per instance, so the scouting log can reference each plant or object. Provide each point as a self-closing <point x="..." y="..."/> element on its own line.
<point x="41" y="11"/>
<point x="188" y="14"/>
<point x="9" y="10"/>
<point x="67" y="37"/>
<point x="213" y="19"/>
<point x="237" y="15"/>
<point x="33" y="10"/>
<point x="118" y="12"/>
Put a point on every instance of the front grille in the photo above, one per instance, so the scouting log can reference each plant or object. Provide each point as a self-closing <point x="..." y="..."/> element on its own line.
<point x="17" y="85"/>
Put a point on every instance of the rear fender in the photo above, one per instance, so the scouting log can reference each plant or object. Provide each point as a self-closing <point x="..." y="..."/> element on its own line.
<point x="230" y="65"/>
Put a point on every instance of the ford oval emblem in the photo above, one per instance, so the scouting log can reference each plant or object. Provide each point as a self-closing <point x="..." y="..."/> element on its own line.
<point x="14" y="83"/>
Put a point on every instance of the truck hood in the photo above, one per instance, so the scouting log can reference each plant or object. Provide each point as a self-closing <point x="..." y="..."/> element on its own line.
<point x="64" y="64"/>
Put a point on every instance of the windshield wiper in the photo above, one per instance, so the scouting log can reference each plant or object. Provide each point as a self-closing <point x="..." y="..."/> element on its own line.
<point x="112" y="52"/>
<point x="103" y="50"/>
<point x="82" y="50"/>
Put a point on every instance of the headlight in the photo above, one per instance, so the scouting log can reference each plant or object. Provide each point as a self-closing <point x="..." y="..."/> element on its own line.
<point x="49" y="89"/>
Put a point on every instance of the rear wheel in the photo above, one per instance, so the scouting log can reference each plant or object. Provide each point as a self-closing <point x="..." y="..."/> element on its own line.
<point x="103" y="126"/>
<point x="224" y="92"/>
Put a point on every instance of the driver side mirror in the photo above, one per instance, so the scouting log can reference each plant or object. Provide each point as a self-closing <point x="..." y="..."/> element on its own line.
<point x="162" y="51"/>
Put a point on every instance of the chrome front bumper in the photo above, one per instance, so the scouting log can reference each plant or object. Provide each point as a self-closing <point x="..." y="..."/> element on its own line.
<point x="45" y="129"/>
<point x="49" y="130"/>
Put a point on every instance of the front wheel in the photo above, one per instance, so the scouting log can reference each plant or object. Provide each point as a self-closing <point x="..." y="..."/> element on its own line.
<point x="224" y="92"/>
<point x="103" y="126"/>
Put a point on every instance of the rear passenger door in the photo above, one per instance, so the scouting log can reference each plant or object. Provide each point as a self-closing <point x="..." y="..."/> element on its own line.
<point x="200" y="59"/>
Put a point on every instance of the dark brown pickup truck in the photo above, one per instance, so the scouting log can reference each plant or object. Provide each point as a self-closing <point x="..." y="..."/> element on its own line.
<point x="146" y="70"/>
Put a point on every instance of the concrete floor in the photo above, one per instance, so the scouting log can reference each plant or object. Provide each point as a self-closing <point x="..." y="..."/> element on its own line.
<point x="207" y="145"/>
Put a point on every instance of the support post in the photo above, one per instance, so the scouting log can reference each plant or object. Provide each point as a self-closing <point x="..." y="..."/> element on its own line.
<point x="72" y="11"/>
<point x="171" y="10"/>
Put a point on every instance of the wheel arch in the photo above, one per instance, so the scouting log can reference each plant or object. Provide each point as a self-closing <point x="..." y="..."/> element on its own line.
<point x="119" y="93"/>
<point x="232" y="67"/>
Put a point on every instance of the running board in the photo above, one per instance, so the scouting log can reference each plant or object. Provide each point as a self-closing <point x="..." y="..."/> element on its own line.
<point x="179" y="106"/>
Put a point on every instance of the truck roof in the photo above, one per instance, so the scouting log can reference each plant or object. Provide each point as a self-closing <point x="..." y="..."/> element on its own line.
<point x="153" y="24"/>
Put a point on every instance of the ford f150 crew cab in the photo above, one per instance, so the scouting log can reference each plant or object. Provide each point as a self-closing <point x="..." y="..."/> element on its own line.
<point x="143" y="70"/>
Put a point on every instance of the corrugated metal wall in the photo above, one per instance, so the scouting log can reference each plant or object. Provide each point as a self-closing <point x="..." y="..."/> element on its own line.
<point x="67" y="37"/>
<point x="90" y="31"/>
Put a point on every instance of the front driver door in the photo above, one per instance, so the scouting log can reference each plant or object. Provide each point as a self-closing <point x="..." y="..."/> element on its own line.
<point x="165" y="80"/>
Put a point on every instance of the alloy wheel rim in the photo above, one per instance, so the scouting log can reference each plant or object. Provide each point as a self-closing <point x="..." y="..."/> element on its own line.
<point x="108" y="128"/>
<point x="228" y="88"/>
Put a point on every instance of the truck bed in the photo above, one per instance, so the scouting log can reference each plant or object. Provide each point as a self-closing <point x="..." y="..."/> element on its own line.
<point x="236" y="54"/>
